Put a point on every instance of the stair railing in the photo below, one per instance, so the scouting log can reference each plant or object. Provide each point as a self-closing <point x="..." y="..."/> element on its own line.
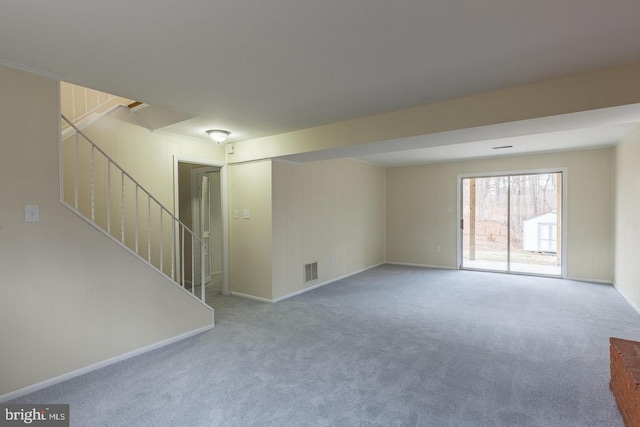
<point x="101" y="192"/>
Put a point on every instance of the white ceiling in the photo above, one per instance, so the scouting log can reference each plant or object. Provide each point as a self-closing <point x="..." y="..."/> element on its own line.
<point x="259" y="68"/>
<point x="575" y="131"/>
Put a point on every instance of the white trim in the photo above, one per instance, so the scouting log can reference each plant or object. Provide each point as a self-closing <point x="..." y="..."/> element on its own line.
<point x="408" y="264"/>
<point x="565" y="219"/>
<point x="90" y="119"/>
<point x="627" y="299"/>
<point x="224" y="189"/>
<point x="32" y="70"/>
<point x="302" y="291"/>
<point x="291" y="162"/>
<point x="82" y="124"/>
<point x="366" y="162"/>
<point x="69" y="375"/>
<point x="60" y="146"/>
<point x="582" y="279"/>
<point x="251" y="297"/>
<point x="458" y="220"/>
<point x="512" y="172"/>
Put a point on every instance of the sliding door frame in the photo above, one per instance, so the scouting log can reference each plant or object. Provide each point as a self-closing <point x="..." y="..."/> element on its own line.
<point x="564" y="216"/>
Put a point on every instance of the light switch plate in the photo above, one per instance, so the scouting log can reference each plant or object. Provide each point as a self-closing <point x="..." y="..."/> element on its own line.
<point x="31" y="213"/>
<point x="246" y="214"/>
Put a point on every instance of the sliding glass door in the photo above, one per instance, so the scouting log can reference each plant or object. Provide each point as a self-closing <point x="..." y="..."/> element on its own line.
<point x="512" y="223"/>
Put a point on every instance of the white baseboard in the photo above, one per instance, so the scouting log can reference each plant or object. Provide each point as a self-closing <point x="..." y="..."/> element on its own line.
<point x="582" y="279"/>
<point x="626" y="298"/>
<point x="241" y="295"/>
<point x="47" y="383"/>
<point x="301" y="291"/>
<point x="440" y="267"/>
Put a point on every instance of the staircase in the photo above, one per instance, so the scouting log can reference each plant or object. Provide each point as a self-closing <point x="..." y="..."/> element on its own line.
<point x="102" y="193"/>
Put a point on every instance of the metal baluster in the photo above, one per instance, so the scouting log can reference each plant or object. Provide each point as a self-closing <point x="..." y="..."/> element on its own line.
<point x="149" y="229"/>
<point x="77" y="173"/>
<point x="161" y="239"/>
<point x="122" y="206"/>
<point x="109" y="197"/>
<point x="202" y="269"/>
<point x="93" y="184"/>
<point x="182" y="255"/>
<point x="173" y="250"/>
<point x="137" y="215"/>
<point x="178" y="266"/>
<point x="193" y="264"/>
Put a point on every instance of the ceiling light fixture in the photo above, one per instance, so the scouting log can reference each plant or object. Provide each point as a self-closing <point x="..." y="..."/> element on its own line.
<point x="218" y="136"/>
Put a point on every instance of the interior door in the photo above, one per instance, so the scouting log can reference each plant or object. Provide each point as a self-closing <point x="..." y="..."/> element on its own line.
<point x="205" y="222"/>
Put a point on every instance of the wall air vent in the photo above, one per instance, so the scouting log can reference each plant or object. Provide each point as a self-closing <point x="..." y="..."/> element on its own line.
<point x="310" y="272"/>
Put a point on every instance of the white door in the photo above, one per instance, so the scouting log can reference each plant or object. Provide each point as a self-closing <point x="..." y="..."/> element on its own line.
<point x="206" y="219"/>
<point x="205" y="222"/>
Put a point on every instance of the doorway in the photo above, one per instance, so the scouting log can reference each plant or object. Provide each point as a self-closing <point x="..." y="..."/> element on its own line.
<point x="512" y="222"/>
<point x="206" y="221"/>
<point x="201" y="206"/>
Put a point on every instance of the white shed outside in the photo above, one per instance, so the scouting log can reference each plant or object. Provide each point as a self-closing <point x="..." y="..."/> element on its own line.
<point x="540" y="233"/>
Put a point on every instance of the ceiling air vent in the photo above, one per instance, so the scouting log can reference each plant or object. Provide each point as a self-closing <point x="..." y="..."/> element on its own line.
<point x="310" y="272"/>
<point x="502" y="147"/>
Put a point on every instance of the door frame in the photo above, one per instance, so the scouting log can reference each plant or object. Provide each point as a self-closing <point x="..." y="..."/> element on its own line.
<point x="224" y="190"/>
<point x="565" y="180"/>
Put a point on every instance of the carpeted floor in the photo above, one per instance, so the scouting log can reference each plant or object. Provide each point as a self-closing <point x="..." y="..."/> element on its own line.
<point x="393" y="346"/>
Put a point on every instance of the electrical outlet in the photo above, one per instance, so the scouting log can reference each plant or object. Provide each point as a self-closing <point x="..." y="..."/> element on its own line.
<point x="236" y="213"/>
<point x="437" y="248"/>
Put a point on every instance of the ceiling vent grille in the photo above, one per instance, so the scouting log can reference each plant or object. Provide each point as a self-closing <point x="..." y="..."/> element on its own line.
<point x="310" y="272"/>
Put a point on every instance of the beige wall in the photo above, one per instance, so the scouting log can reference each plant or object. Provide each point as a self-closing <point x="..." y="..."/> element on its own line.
<point x="60" y="310"/>
<point x="418" y="219"/>
<point x="627" y="217"/>
<point x="583" y="92"/>
<point x="149" y="158"/>
<point x="69" y="296"/>
<point x="250" y="239"/>
<point x="330" y="212"/>
<point x="80" y="103"/>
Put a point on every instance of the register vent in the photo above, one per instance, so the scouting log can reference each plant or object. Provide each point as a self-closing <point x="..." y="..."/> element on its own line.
<point x="310" y="272"/>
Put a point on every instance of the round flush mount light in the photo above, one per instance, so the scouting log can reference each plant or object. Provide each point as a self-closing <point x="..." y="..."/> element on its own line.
<point x="218" y="135"/>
